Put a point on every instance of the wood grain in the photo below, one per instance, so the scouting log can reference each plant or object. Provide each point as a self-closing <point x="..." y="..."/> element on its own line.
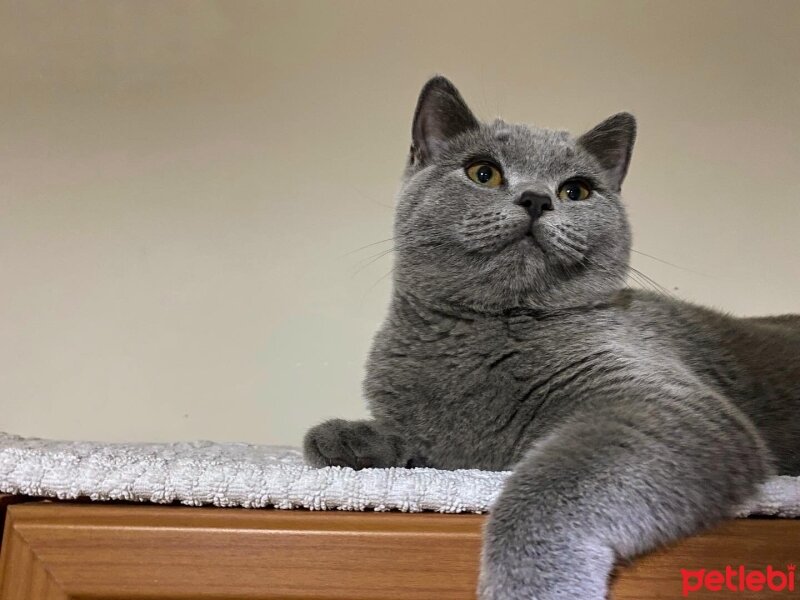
<point x="7" y="500"/>
<point x="181" y="553"/>
<point x="68" y="551"/>
<point x="754" y="543"/>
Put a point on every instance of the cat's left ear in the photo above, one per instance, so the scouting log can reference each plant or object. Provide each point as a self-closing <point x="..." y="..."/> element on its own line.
<point x="441" y="115"/>
<point x="611" y="143"/>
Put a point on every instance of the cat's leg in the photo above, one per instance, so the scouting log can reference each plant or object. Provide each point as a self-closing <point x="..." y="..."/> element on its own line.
<point x="356" y="444"/>
<point x="612" y="482"/>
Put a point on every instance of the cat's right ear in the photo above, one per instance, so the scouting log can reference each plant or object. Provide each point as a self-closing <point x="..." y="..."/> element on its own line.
<point x="611" y="143"/>
<point x="441" y="114"/>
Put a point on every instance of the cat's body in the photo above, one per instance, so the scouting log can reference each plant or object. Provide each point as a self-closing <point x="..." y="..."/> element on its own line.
<point x="490" y="385"/>
<point x="629" y="418"/>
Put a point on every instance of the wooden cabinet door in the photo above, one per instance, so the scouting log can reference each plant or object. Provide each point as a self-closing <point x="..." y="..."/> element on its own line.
<point x="58" y="551"/>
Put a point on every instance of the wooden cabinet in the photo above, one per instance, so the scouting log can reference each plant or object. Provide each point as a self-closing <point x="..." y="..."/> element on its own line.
<point x="65" y="551"/>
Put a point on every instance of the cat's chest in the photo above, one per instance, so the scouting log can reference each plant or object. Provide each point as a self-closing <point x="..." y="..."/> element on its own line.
<point x="477" y="392"/>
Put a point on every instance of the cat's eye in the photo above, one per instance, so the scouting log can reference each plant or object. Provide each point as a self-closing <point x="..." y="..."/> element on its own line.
<point x="574" y="189"/>
<point x="485" y="174"/>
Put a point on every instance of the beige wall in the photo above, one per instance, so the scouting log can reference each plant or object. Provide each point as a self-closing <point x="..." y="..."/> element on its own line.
<point x="182" y="184"/>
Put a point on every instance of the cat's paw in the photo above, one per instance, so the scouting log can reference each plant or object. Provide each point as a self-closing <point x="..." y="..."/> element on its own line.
<point x="545" y="578"/>
<point x="497" y="579"/>
<point x="488" y="589"/>
<point x="517" y="563"/>
<point x="356" y="444"/>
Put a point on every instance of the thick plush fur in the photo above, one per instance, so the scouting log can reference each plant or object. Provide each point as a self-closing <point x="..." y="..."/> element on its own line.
<point x="629" y="418"/>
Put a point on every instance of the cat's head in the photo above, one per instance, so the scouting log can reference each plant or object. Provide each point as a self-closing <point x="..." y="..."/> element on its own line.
<point x="495" y="216"/>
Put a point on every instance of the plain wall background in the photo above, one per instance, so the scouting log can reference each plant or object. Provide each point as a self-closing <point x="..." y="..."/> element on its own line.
<point x="182" y="185"/>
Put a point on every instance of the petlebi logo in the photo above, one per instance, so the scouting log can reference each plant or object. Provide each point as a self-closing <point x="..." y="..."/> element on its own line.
<point x="739" y="579"/>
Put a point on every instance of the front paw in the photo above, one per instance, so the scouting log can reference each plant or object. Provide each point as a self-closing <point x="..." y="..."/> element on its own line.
<point x="356" y="444"/>
<point x="542" y="558"/>
<point x="528" y="572"/>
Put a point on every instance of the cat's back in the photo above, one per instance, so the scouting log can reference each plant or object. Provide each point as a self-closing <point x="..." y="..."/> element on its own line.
<point x="707" y="340"/>
<point x="700" y="335"/>
<point x="753" y="361"/>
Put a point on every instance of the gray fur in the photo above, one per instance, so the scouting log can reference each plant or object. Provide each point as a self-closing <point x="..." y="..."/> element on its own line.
<point x="630" y="418"/>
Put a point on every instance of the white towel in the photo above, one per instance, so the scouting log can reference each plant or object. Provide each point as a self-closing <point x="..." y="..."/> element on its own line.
<point x="203" y="473"/>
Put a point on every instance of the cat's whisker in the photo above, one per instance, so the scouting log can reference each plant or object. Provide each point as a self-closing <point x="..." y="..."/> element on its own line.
<point x="641" y="282"/>
<point x="637" y="276"/>
<point x="367" y="246"/>
<point x="366" y="259"/>
<point x="657" y="286"/>
<point x="369" y="198"/>
<point x="652" y="281"/>
<point x="374" y="285"/>
<point x="374" y="259"/>
<point x="665" y="262"/>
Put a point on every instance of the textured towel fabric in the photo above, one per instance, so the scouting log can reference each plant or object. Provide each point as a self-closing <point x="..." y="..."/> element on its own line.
<point x="202" y="473"/>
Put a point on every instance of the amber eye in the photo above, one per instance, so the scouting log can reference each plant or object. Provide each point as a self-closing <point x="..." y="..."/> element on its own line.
<point x="485" y="174"/>
<point x="575" y="189"/>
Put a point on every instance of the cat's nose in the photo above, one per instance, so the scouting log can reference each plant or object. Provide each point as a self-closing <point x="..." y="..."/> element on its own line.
<point x="535" y="203"/>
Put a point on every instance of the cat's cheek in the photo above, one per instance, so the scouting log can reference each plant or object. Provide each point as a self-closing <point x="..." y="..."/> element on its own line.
<point x="490" y="230"/>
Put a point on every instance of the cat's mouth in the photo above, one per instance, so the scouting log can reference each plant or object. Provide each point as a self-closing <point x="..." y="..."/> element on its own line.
<point x="529" y="239"/>
<point x="554" y="243"/>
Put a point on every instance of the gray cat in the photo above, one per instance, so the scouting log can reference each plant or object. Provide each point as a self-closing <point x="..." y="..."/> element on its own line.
<point x="629" y="418"/>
